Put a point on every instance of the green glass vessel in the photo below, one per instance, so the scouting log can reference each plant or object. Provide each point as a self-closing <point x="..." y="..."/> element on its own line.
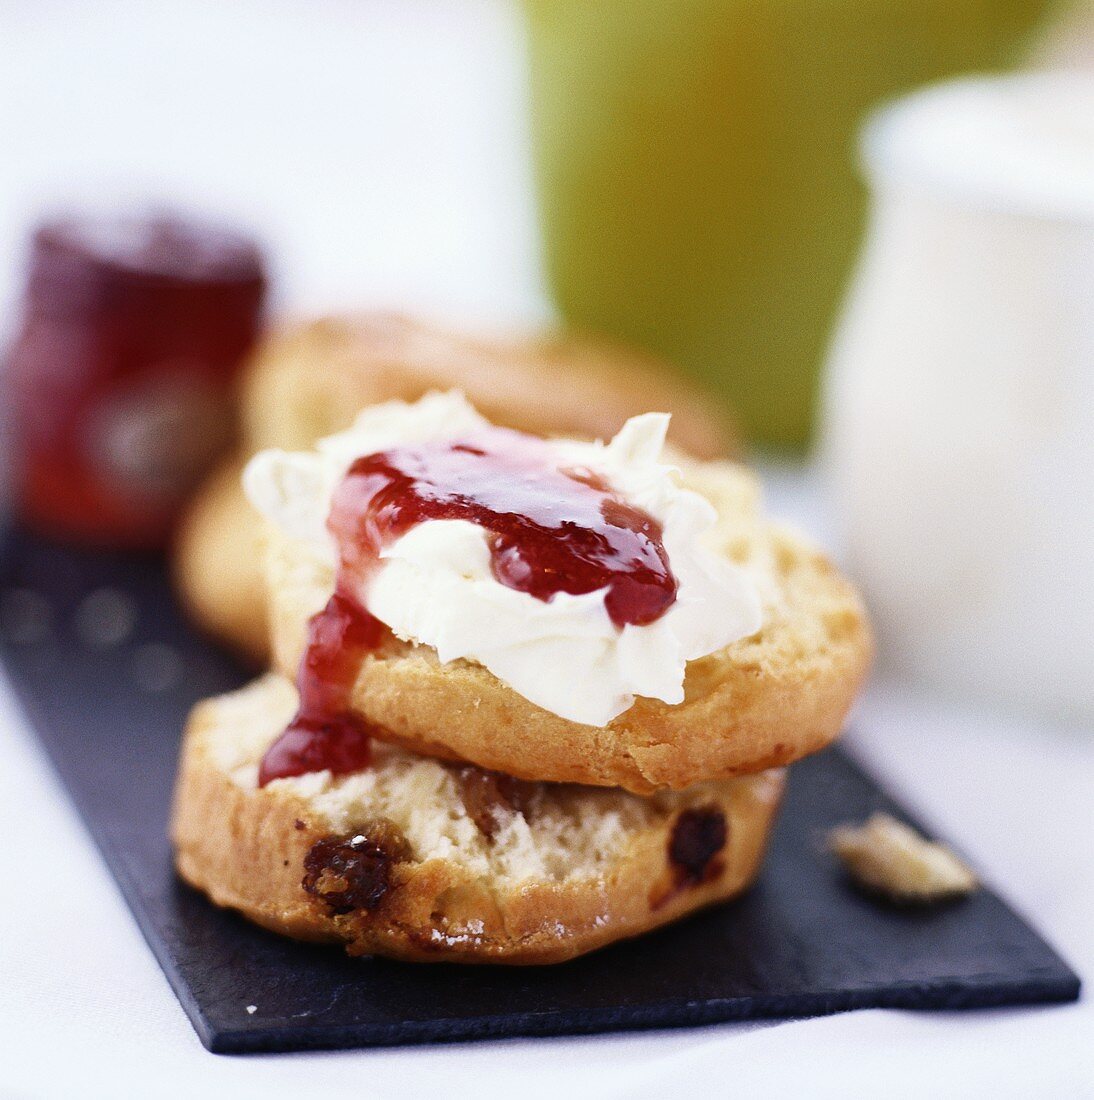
<point x="696" y="176"/>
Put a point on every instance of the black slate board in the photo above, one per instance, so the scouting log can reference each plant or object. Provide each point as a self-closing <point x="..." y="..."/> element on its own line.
<point x="108" y="709"/>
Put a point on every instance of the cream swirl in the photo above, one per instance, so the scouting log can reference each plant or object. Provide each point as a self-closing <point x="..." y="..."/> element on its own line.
<point x="435" y="585"/>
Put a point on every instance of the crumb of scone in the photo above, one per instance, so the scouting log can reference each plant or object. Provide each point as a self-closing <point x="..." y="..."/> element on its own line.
<point x="891" y="858"/>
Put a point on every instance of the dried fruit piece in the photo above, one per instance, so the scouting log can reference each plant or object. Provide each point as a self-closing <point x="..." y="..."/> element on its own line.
<point x="348" y="873"/>
<point x="697" y="837"/>
<point x="891" y="858"/>
<point x="490" y="797"/>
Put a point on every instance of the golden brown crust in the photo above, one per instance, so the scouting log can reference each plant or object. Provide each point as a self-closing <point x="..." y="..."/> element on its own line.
<point x="217" y="564"/>
<point x="248" y="849"/>
<point x="762" y="702"/>
<point x="310" y="380"/>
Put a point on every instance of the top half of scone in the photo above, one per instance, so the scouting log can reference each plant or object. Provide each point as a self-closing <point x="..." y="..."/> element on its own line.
<point x="597" y="613"/>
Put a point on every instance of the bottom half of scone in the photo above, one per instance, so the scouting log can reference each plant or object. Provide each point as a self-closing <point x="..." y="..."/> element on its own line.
<point x="425" y="860"/>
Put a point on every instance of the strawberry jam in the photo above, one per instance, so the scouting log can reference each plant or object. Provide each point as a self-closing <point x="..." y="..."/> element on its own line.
<point x="549" y="530"/>
<point x="324" y="733"/>
<point x="120" y="381"/>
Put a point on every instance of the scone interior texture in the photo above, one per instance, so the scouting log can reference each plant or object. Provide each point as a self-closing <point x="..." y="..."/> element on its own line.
<point x="761" y="702"/>
<point x="420" y="859"/>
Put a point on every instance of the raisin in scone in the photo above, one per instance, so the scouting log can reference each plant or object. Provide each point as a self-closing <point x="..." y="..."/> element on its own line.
<point x="428" y="861"/>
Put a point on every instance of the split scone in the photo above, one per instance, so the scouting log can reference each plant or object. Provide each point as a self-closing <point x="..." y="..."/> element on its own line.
<point x="429" y="861"/>
<point x="755" y="664"/>
<point x="309" y="380"/>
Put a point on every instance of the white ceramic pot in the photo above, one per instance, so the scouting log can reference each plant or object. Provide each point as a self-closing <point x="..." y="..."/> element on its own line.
<point x="958" y="437"/>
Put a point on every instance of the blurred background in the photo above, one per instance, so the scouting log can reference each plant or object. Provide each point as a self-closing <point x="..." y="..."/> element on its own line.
<point x="750" y="211"/>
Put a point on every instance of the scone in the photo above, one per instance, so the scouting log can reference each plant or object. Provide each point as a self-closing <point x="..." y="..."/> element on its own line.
<point x="217" y="564"/>
<point x="427" y="861"/>
<point x="309" y="380"/>
<point x="763" y="702"/>
<point x="774" y="694"/>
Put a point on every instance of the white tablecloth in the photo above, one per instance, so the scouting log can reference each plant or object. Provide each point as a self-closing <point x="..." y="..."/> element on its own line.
<point x="378" y="145"/>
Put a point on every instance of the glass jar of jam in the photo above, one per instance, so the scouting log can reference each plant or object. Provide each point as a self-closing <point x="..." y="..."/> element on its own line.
<point x="121" y="377"/>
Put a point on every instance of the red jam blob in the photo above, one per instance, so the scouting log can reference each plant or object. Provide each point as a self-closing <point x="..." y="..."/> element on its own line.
<point x="550" y="530"/>
<point x="324" y="733"/>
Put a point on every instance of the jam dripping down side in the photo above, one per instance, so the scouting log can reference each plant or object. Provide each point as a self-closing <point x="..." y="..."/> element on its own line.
<point x="324" y="733"/>
<point x="550" y="531"/>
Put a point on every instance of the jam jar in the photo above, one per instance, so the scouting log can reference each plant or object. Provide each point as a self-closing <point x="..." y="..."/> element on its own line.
<point x="121" y="376"/>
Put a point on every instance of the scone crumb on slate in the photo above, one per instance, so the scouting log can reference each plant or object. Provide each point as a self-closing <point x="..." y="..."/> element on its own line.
<point x="891" y="858"/>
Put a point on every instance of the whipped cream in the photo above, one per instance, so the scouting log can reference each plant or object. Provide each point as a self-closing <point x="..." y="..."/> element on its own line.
<point x="435" y="585"/>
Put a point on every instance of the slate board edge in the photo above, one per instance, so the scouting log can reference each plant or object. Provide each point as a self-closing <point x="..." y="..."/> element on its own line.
<point x="1063" y="987"/>
<point x="930" y="997"/>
